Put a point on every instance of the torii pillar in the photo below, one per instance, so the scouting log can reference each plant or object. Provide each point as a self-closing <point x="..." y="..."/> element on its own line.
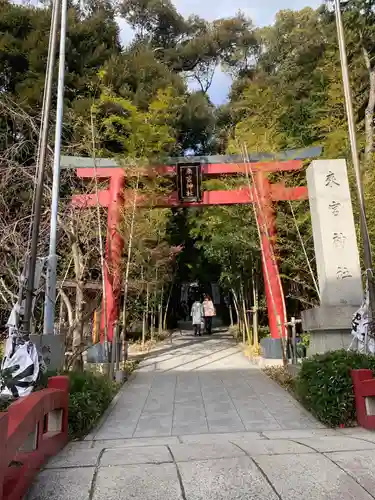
<point x="263" y="194"/>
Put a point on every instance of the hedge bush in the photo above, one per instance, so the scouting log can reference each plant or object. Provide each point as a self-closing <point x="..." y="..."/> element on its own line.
<point x="324" y="385"/>
<point x="89" y="396"/>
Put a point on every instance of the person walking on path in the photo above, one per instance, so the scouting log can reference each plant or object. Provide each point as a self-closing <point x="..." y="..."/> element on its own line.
<point x="209" y="312"/>
<point x="197" y="317"/>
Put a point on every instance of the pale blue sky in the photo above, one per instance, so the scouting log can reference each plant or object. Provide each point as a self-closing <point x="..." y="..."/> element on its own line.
<point x="261" y="12"/>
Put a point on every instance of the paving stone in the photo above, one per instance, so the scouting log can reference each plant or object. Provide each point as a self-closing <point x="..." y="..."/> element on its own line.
<point x="219" y="407"/>
<point x="356" y="430"/>
<point x="219" y="438"/>
<point x="224" y="423"/>
<point x="230" y="427"/>
<point x="299" y="433"/>
<point x="333" y="443"/>
<point x="262" y="426"/>
<point x="182" y="398"/>
<point x="366" y="435"/>
<point x="135" y="442"/>
<point x="161" y="408"/>
<point x="296" y="424"/>
<point x="189" y="412"/>
<point x="109" y="432"/>
<point x="153" y="432"/>
<point x="270" y="447"/>
<point x="225" y="479"/>
<point x="74" y="458"/>
<point x="311" y="476"/>
<point x="359" y="464"/>
<point x="153" y="425"/>
<point x="78" y="445"/>
<point x="137" y="455"/>
<point x="148" y="482"/>
<point x="64" y="484"/>
<point x="189" y="452"/>
<point x="254" y="414"/>
<point x="197" y="427"/>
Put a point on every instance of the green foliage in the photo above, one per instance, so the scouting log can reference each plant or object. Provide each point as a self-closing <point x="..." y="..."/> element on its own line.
<point x="4" y="404"/>
<point x="89" y="396"/>
<point x="216" y="232"/>
<point x="263" y="332"/>
<point x="324" y="385"/>
<point x="292" y="98"/>
<point x="305" y="339"/>
<point x="136" y="134"/>
<point x="192" y="44"/>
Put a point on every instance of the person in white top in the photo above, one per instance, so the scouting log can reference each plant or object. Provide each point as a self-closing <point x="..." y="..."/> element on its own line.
<point x="209" y="312"/>
<point x="197" y="317"/>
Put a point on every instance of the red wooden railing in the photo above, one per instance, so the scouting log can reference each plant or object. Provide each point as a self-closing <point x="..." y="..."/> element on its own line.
<point x="34" y="429"/>
<point x="364" y="393"/>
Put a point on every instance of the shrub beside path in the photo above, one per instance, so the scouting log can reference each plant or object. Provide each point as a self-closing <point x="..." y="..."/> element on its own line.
<point x="198" y="422"/>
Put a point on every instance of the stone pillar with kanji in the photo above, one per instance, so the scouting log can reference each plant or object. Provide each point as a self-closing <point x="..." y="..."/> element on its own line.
<point x="337" y="257"/>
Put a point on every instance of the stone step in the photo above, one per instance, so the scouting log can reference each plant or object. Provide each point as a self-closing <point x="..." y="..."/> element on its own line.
<point x="282" y="465"/>
<point x="210" y="446"/>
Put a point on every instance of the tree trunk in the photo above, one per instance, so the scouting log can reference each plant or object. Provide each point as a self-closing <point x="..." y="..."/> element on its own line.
<point x="78" y="328"/>
<point x="160" y="312"/>
<point x="147" y="303"/>
<point x="66" y="311"/>
<point x="143" y="327"/>
<point x="152" y="323"/>
<point x="369" y="115"/>
<point x="154" y="306"/>
<point x="230" y="313"/>
<point x="167" y="307"/>
<point x="246" y="332"/>
<point x="237" y="308"/>
<point x="255" y="308"/>
<point x="79" y="305"/>
<point x="127" y="269"/>
<point x="68" y="307"/>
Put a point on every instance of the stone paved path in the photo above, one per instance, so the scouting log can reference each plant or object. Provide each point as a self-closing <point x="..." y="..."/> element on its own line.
<point x="197" y="422"/>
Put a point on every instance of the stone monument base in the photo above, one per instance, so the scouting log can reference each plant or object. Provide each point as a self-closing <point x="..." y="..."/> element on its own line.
<point x="271" y="348"/>
<point x="329" y="326"/>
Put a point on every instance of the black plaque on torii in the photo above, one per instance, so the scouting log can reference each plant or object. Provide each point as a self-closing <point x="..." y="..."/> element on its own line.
<point x="189" y="181"/>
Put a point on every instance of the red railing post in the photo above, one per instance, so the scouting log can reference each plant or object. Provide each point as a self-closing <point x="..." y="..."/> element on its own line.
<point x="3" y="458"/>
<point x="61" y="382"/>
<point x="364" y="394"/>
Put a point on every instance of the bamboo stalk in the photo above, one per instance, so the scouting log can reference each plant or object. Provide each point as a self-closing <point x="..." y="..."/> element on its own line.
<point x="255" y="308"/>
<point x="127" y="269"/>
<point x="230" y="313"/>
<point x="160" y="316"/>
<point x="147" y="304"/>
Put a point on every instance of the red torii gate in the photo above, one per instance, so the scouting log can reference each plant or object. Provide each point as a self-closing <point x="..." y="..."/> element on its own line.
<point x="263" y="193"/>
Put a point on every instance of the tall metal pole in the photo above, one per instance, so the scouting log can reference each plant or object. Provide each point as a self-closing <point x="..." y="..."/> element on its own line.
<point x="41" y="160"/>
<point x="367" y="255"/>
<point x="50" y="296"/>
